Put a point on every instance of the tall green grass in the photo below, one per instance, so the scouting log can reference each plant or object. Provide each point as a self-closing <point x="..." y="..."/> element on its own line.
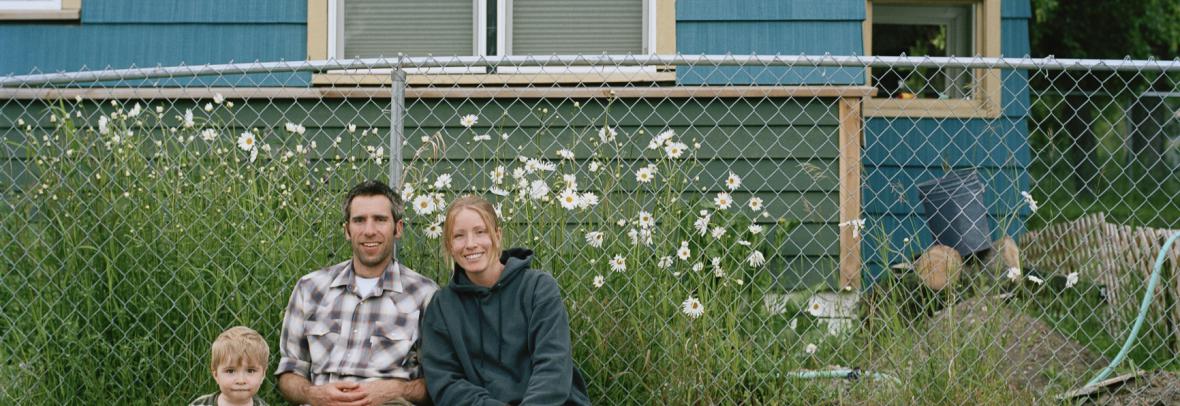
<point x="137" y="243"/>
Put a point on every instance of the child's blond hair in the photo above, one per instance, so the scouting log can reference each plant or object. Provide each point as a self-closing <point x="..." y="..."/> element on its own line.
<point x="239" y="344"/>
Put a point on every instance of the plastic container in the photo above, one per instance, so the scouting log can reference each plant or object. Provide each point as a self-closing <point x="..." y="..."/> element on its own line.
<point x="955" y="212"/>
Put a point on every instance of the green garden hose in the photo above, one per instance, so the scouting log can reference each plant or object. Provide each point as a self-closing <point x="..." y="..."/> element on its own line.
<point x="1143" y="306"/>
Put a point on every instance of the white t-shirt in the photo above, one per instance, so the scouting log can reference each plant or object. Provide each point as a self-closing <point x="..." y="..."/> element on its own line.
<point x="366" y="286"/>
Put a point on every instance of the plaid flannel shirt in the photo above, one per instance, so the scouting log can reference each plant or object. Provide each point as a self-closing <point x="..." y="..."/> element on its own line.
<point x="331" y="333"/>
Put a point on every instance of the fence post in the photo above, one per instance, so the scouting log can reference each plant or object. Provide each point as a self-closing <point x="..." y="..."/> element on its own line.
<point x="397" y="126"/>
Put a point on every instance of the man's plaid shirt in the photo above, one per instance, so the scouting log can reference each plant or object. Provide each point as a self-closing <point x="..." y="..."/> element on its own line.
<point x="330" y="333"/>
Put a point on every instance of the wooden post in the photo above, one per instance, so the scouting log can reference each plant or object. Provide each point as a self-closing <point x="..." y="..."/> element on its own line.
<point x="850" y="138"/>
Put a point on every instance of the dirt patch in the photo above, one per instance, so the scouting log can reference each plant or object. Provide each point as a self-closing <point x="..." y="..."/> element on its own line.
<point x="1158" y="388"/>
<point x="1031" y="355"/>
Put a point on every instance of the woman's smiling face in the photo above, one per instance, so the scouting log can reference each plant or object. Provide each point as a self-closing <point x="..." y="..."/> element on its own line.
<point x="473" y="245"/>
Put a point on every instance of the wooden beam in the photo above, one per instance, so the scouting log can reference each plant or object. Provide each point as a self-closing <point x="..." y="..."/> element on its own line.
<point x="850" y="92"/>
<point x="317" y="29"/>
<point x="850" y="141"/>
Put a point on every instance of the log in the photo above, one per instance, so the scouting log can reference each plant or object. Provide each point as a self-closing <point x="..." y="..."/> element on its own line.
<point x="939" y="267"/>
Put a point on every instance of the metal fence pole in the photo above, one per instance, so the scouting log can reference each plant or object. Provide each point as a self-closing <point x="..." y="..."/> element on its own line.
<point x="397" y="126"/>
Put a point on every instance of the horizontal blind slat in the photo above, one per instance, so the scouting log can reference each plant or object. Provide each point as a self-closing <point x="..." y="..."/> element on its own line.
<point x="542" y="27"/>
<point x="375" y="28"/>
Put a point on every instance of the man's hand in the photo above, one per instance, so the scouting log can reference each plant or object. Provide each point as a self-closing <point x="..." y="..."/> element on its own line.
<point x="339" y="394"/>
<point x="396" y="389"/>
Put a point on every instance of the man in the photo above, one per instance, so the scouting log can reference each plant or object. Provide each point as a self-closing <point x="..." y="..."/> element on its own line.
<point x="350" y="329"/>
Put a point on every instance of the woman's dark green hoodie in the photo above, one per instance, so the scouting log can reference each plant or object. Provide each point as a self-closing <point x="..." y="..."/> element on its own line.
<point x="507" y="344"/>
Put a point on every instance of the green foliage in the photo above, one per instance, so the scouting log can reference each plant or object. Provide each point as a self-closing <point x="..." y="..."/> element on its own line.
<point x="1106" y="29"/>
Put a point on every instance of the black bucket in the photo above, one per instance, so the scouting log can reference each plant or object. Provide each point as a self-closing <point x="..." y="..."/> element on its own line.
<point x="955" y="212"/>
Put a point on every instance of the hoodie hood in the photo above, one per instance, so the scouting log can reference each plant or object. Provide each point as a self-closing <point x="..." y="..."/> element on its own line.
<point x="515" y="261"/>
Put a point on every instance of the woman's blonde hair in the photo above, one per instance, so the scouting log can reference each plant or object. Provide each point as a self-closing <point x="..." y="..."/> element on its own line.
<point x="486" y="212"/>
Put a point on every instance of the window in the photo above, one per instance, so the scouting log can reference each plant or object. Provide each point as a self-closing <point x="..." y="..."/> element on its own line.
<point x="445" y="28"/>
<point x="933" y="28"/>
<point x="40" y="9"/>
<point x="30" y="5"/>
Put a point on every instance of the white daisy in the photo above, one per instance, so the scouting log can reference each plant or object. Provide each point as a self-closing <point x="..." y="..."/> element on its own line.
<point x="594" y="238"/>
<point x="718" y="232"/>
<point x="723" y="200"/>
<point x="434" y="230"/>
<point x="702" y="224"/>
<point x="246" y="141"/>
<point x="697" y="267"/>
<point x="645" y="175"/>
<point x="856" y="224"/>
<point x="646" y="220"/>
<point x="1036" y="280"/>
<point x="538" y="189"/>
<point x="1071" y="280"/>
<point x="607" y="134"/>
<point x="665" y="262"/>
<point x="618" y="263"/>
<point x="815" y="307"/>
<point x="208" y="107"/>
<point x="135" y="110"/>
<point x="675" y="149"/>
<point x="1032" y="203"/>
<point x="498" y="175"/>
<point x="188" y="118"/>
<point x="565" y="154"/>
<point x="756" y="204"/>
<point x="1014" y="274"/>
<point x="568" y="199"/>
<point x="756" y="258"/>
<point x="218" y="98"/>
<point x="407" y="192"/>
<point x="424" y="205"/>
<point x="692" y="307"/>
<point x="352" y="128"/>
<point x="209" y="134"/>
<point x="661" y="139"/>
<point x="482" y="137"/>
<point x="468" y="121"/>
<point x="496" y="190"/>
<point x="443" y="181"/>
<point x="810" y="349"/>
<point x="733" y="181"/>
<point x="570" y="180"/>
<point x="755" y="229"/>
<point x="743" y="243"/>
<point x="594" y="166"/>
<point x="683" y="252"/>
<point x="599" y="280"/>
<point x="587" y="200"/>
<point x="717" y="270"/>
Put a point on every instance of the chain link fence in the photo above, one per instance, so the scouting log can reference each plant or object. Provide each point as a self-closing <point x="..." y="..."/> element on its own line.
<point x="725" y="229"/>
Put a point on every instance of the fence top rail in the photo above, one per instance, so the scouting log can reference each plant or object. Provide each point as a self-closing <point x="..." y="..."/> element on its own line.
<point x="1049" y="63"/>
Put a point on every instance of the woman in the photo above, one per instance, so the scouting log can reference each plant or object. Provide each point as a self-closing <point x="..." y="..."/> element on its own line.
<point x="499" y="332"/>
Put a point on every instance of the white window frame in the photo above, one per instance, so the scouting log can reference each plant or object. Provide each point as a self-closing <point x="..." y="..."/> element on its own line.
<point x="30" y="5"/>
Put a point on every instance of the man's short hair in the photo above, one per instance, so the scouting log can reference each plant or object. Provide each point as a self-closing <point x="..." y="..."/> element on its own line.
<point x="374" y="188"/>
<point x="239" y="344"/>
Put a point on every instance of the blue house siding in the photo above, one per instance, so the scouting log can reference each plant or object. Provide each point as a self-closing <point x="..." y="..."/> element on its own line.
<point x="768" y="27"/>
<point x="116" y="33"/>
<point x="899" y="153"/>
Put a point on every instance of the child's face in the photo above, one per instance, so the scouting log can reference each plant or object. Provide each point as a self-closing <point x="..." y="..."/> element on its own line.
<point x="239" y="381"/>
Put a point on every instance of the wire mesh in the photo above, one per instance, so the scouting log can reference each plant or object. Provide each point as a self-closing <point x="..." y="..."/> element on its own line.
<point x="723" y="228"/>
